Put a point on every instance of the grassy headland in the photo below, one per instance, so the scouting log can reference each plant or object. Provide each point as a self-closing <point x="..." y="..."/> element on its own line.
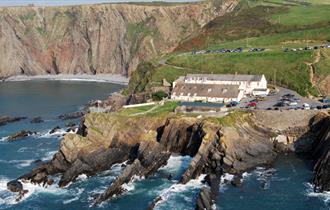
<point x="274" y="25"/>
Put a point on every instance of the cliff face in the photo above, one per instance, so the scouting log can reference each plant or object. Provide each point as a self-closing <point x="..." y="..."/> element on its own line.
<point x="106" y="38"/>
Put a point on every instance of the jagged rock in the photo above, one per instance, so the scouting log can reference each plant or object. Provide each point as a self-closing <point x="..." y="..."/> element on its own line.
<point x="37" y="120"/>
<point x="204" y="201"/>
<point x="82" y="128"/>
<point x="20" y="135"/>
<point x="54" y="130"/>
<point x="5" y="120"/>
<point x="15" y="186"/>
<point x="50" y="181"/>
<point x="71" y="129"/>
<point x="237" y="180"/>
<point x="182" y="136"/>
<point x="99" y="160"/>
<point x="71" y="116"/>
<point x="150" y="158"/>
<point x="321" y="154"/>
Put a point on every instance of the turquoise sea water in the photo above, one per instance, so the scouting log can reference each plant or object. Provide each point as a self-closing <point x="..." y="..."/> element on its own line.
<point x="285" y="186"/>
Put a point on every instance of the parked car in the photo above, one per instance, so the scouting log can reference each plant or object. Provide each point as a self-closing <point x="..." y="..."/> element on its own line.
<point x="306" y="106"/>
<point x="325" y="100"/>
<point x="326" y="106"/>
<point x="289" y="95"/>
<point x="232" y="104"/>
<point x="252" y="104"/>
<point x="279" y="104"/>
<point x="293" y="103"/>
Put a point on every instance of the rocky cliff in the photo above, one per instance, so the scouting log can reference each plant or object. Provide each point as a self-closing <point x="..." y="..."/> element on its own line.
<point x="232" y="144"/>
<point x="92" y="39"/>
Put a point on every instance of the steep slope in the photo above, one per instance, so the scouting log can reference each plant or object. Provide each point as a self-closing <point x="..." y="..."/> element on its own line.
<point x="255" y="25"/>
<point x="105" y="38"/>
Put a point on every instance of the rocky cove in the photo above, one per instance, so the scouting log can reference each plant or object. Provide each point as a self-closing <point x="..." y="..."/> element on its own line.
<point x="235" y="144"/>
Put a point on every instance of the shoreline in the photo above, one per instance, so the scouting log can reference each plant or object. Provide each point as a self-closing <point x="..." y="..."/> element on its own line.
<point x="106" y="78"/>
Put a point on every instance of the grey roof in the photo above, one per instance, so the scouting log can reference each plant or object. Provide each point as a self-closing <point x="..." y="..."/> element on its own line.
<point x="227" y="77"/>
<point x="207" y="90"/>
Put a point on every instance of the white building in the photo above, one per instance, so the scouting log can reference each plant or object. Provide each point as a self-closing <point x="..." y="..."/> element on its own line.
<point x="218" y="88"/>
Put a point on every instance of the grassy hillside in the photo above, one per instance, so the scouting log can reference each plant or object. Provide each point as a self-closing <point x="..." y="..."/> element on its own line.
<point x="274" y="25"/>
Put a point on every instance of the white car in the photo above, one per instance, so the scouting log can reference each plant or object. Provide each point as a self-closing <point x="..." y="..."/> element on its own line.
<point x="306" y="106"/>
<point x="293" y="103"/>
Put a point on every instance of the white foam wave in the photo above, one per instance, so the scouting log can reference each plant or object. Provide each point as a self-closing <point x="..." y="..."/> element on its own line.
<point x="23" y="149"/>
<point x="174" y="163"/>
<point x="82" y="177"/>
<point x="4" y="138"/>
<point x="324" y="196"/>
<point x="9" y="198"/>
<point x="178" y="188"/>
<point x="130" y="186"/>
<point x="225" y="180"/>
<point x="264" y="176"/>
<point x="57" y="133"/>
<point x="49" y="155"/>
<point x="18" y="163"/>
<point x="75" y="198"/>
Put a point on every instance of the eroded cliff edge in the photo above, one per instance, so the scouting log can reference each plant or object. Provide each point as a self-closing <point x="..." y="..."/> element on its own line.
<point x="233" y="144"/>
<point x="92" y="39"/>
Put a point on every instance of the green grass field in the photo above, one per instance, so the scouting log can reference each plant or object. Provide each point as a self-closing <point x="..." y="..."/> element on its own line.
<point x="286" y="69"/>
<point x="159" y="110"/>
<point x="303" y="15"/>
<point x="270" y="24"/>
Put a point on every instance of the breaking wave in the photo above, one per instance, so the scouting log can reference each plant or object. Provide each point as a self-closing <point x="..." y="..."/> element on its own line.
<point x="9" y="198"/>
<point x="58" y="133"/>
<point x="324" y="196"/>
<point x="175" y="189"/>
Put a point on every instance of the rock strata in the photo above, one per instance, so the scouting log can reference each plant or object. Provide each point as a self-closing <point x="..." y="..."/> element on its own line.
<point x="96" y="39"/>
<point x="322" y="157"/>
<point x="146" y="143"/>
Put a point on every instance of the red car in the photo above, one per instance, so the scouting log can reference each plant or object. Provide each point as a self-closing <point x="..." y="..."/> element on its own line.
<point x="252" y="104"/>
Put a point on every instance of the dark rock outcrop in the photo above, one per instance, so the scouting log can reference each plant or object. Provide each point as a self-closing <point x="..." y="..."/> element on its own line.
<point x="20" y="135"/>
<point x="15" y="186"/>
<point x="150" y="157"/>
<point x="181" y="136"/>
<point x="55" y="129"/>
<point x="204" y="201"/>
<point x="322" y="157"/>
<point x="5" y="120"/>
<point x="36" y="120"/>
<point x="70" y="116"/>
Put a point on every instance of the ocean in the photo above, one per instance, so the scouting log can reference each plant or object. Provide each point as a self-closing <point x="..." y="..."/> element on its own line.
<point x="283" y="186"/>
